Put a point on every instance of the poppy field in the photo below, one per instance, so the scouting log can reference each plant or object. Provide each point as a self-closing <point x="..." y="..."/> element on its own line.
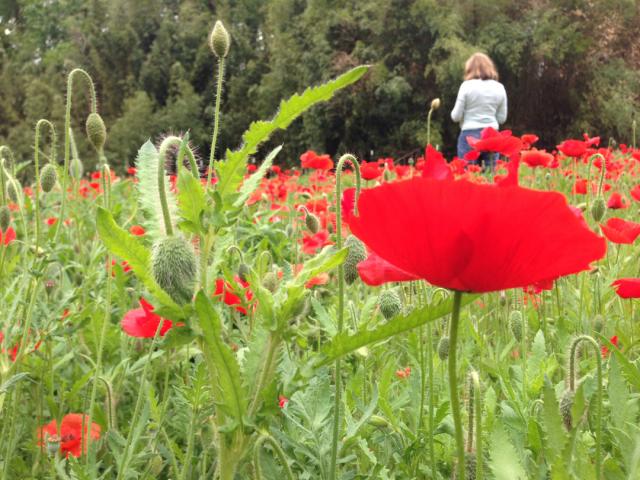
<point x="232" y="318"/>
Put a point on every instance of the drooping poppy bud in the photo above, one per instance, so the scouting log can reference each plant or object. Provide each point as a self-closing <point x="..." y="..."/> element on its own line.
<point x="515" y="324"/>
<point x="270" y="281"/>
<point x="389" y="303"/>
<point x="5" y="217"/>
<point x="566" y="404"/>
<point x="96" y="130"/>
<point x="357" y="254"/>
<point x="48" y="178"/>
<point x="174" y="267"/>
<point x="312" y="222"/>
<point x="435" y="104"/>
<point x="219" y="40"/>
<point x="443" y="348"/>
<point x="76" y="169"/>
<point x="13" y="190"/>
<point x="598" y="208"/>
<point x="243" y="271"/>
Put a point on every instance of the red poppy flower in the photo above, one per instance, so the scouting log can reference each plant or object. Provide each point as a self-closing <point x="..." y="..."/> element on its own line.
<point x="469" y="237"/>
<point x="604" y="350"/>
<point x="143" y="323"/>
<point x="536" y="158"/>
<point x="376" y="271"/>
<point x="403" y="373"/>
<point x="320" y="279"/>
<point x="132" y="170"/>
<point x="435" y="165"/>
<point x="311" y="243"/>
<point x="282" y="401"/>
<point x="51" y="221"/>
<point x="370" y="170"/>
<point x="577" y="148"/>
<point x="72" y="439"/>
<point x="137" y="230"/>
<point x="8" y="236"/>
<point x="311" y="159"/>
<point x="627" y="287"/>
<point x="617" y="201"/>
<point x="635" y="193"/>
<point x="618" y="230"/>
<point x="493" y="141"/>
<point x="528" y="139"/>
<point x="225" y="292"/>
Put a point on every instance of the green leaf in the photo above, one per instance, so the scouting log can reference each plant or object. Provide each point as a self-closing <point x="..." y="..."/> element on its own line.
<point x="222" y="364"/>
<point x="231" y="170"/>
<point x="128" y="247"/>
<point x="553" y="425"/>
<point x="344" y="343"/>
<point x="250" y="184"/>
<point x="504" y="462"/>
<point x="191" y="198"/>
<point x="326" y="260"/>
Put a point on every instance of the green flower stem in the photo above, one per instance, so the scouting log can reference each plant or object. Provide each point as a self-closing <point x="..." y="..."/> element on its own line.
<point x="36" y="161"/>
<point x="67" y="128"/>
<point x="347" y="157"/>
<point x="216" y="119"/>
<point x="164" y="147"/>
<point x="453" y="382"/>
<point x="266" y="372"/>
<point x="266" y="438"/>
<point x="572" y="386"/>
<point x="429" y="126"/>
<point x="477" y="407"/>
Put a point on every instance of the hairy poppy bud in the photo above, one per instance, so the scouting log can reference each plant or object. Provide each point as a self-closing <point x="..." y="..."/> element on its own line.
<point x="443" y="348"/>
<point x="598" y="208"/>
<point x="173" y="264"/>
<point x="270" y="281"/>
<point x="76" y="169"/>
<point x="357" y="254"/>
<point x="566" y="404"/>
<point x="13" y="191"/>
<point x="435" y="104"/>
<point x="312" y="222"/>
<point x="219" y="40"/>
<point x="515" y="324"/>
<point x="243" y="271"/>
<point x="598" y="323"/>
<point x="96" y="131"/>
<point x="53" y="444"/>
<point x="390" y="304"/>
<point x="5" y="217"/>
<point x="48" y="178"/>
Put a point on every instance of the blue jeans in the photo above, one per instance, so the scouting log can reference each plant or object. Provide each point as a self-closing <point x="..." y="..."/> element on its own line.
<point x="486" y="159"/>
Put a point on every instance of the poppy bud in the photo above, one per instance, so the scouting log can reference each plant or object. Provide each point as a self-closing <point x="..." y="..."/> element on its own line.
<point x="76" y="169"/>
<point x="13" y="190"/>
<point x="270" y="281"/>
<point x="96" y="131"/>
<point x="219" y="40"/>
<point x="48" y="178"/>
<point x="5" y="217"/>
<point x="443" y="348"/>
<point x="174" y="267"/>
<point x="598" y="208"/>
<point x="566" y="404"/>
<point x="389" y="303"/>
<point x="378" y="421"/>
<point x="312" y="222"/>
<point x="357" y="254"/>
<point x="598" y="323"/>
<point x="515" y="324"/>
<point x="243" y="271"/>
<point x="49" y="286"/>
<point x="435" y="104"/>
<point x="53" y="444"/>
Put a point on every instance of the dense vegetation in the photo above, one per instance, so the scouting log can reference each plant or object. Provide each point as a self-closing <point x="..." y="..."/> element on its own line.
<point x="568" y="66"/>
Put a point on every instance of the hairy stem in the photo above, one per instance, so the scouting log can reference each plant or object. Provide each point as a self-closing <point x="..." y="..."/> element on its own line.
<point x="453" y="383"/>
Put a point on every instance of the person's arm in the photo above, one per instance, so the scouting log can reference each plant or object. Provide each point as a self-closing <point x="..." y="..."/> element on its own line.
<point x="457" y="113"/>
<point x="501" y="113"/>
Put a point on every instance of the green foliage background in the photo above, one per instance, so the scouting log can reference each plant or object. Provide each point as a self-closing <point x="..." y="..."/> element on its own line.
<point x="569" y="67"/>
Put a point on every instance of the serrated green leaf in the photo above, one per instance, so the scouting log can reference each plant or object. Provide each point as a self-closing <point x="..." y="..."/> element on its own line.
<point x="222" y="364"/>
<point x="250" y="184"/>
<point x="231" y="170"/>
<point x="618" y="394"/>
<point x="326" y="260"/>
<point x="344" y="343"/>
<point x="504" y="462"/>
<point x="128" y="247"/>
<point x="553" y="425"/>
<point x="191" y="198"/>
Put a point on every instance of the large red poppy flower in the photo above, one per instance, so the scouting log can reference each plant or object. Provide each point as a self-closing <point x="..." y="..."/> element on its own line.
<point x="577" y="148"/>
<point x="469" y="237"/>
<point x="8" y="236"/>
<point x="370" y="170"/>
<point x="375" y="270"/>
<point x="493" y="141"/>
<point x="627" y="287"/>
<point x="536" y="158"/>
<point x="225" y="292"/>
<point x="72" y="439"/>
<point x="311" y="159"/>
<point x="435" y="165"/>
<point x="617" y="201"/>
<point x="143" y="323"/>
<point x="618" y="230"/>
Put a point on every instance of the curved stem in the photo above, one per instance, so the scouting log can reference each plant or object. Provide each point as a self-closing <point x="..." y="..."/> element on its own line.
<point x="338" y="379"/>
<point x="36" y="160"/>
<point x="216" y="119"/>
<point x="164" y="147"/>
<point x="266" y="438"/>
<point x="453" y="383"/>
<point x="429" y="126"/>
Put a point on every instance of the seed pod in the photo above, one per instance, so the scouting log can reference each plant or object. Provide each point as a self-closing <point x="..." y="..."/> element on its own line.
<point x="174" y="267"/>
<point x="435" y="104"/>
<point x="515" y="324"/>
<point x="5" y="217"/>
<point x="312" y="222"/>
<point x="219" y="40"/>
<point x="53" y="444"/>
<point x="566" y="404"/>
<point x="76" y="169"/>
<point x="598" y="208"/>
<point x="357" y="254"/>
<point x="443" y="348"/>
<point x="270" y="281"/>
<point x="96" y="131"/>
<point x="48" y="178"/>
<point x="389" y="303"/>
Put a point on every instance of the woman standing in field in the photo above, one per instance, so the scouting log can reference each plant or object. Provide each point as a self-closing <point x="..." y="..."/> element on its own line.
<point x="481" y="103"/>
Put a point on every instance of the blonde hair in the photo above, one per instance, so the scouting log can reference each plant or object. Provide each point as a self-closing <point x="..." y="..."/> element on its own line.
<point x="480" y="66"/>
